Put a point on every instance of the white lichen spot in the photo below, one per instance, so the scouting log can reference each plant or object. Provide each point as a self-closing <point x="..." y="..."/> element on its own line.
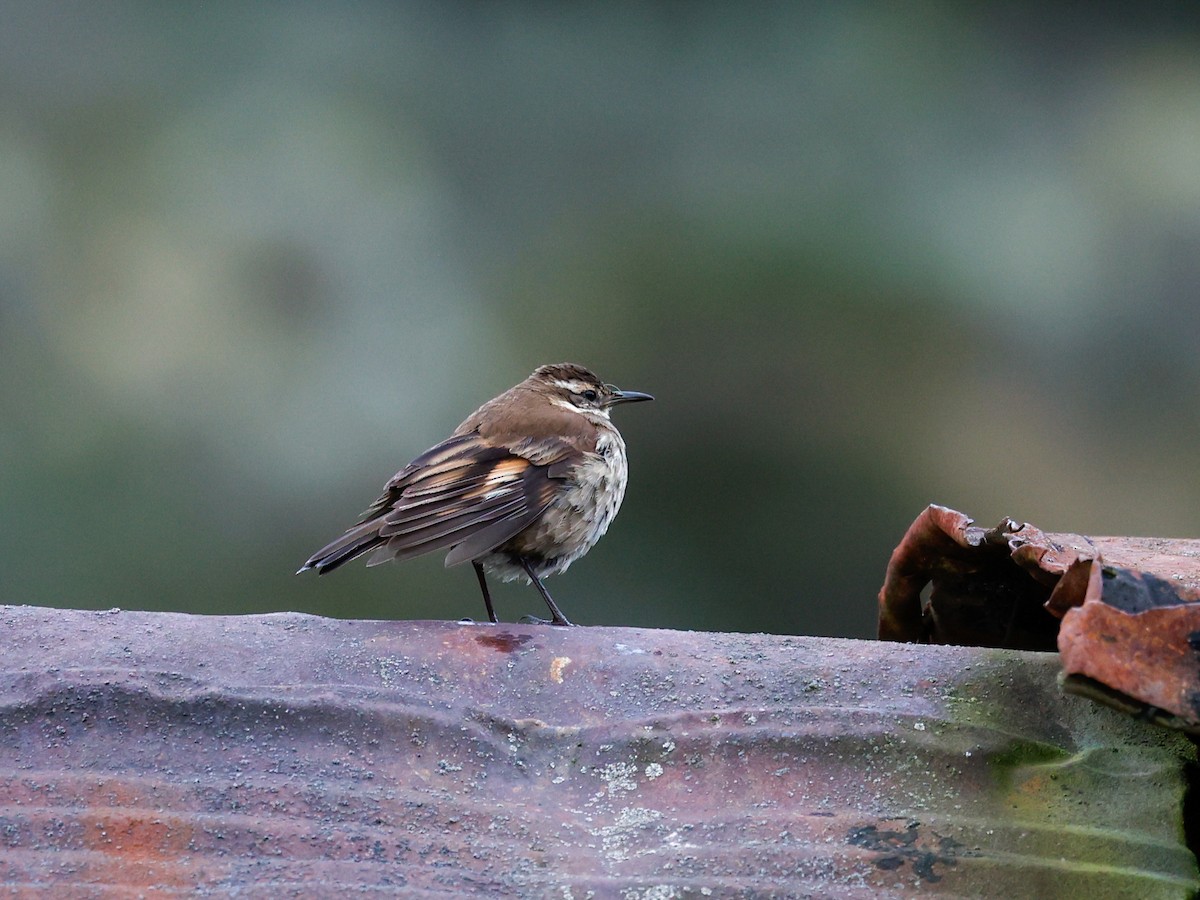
<point x="652" y="892"/>
<point x="668" y="746"/>
<point x="653" y="770"/>
<point x="918" y="726"/>
<point x="389" y="670"/>
<point x="615" y="838"/>
<point x="619" y="777"/>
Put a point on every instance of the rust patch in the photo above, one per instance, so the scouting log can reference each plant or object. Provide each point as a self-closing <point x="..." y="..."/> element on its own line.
<point x="504" y="642"/>
<point x="923" y="852"/>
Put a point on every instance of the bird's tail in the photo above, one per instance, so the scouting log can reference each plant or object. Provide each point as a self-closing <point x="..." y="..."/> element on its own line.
<point x="351" y="545"/>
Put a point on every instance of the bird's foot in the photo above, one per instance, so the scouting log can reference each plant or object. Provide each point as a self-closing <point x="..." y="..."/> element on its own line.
<point x="534" y="620"/>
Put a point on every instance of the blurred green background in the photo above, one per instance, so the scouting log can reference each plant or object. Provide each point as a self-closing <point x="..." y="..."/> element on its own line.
<point x="255" y="257"/>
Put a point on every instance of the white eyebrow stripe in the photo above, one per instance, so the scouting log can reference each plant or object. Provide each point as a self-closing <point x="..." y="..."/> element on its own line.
<point x="565" y="404"/>
<point x="589" y="414"/>
<point x="574" y="386"/>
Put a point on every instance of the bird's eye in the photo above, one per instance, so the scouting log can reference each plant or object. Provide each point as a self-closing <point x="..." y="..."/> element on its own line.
<point x="590" y="396"/>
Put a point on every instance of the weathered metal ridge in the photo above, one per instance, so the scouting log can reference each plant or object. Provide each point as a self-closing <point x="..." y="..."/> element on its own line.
<point x="288" y="755"/>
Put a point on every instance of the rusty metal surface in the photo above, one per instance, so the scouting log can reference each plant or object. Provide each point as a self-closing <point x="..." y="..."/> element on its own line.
<point x="1130" y="617"/>
<point x="1131" y="638"/>
<point x="1146" y="663"/>
<point x="1174" y="559"/>
<point x="989" y="586"/>
<point x="288" y="755"/>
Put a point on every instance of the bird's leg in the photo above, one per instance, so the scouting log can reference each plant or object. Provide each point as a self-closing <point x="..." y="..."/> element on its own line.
<point x="487" y="598"/>
<point x="557" y="617"/>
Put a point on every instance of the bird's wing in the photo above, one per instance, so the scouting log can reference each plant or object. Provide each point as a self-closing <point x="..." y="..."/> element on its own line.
<point x="467" y="493"/>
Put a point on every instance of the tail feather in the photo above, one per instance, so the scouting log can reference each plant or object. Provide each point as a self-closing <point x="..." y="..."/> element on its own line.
<point x="351" y="545"/>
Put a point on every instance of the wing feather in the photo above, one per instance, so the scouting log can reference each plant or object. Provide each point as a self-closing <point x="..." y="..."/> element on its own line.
<point x="467" y="494"/>
<point x="450" y="520"/>
<point x="489" y="538"/>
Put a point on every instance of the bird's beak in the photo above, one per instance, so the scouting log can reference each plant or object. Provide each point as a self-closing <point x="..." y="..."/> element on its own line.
<point x="620" y="396"/>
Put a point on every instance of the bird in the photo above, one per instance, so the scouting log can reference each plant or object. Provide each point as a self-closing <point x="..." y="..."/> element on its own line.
<point x="526" y="485"/>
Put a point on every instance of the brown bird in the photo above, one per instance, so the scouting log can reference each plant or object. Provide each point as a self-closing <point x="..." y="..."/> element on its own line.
<point x="523" y="488"/>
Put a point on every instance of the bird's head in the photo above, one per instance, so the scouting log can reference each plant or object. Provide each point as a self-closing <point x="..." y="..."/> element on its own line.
<point x="576" y="388"/>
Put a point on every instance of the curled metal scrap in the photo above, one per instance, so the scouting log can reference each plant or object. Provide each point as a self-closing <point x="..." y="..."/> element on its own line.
<point x="1129" y="634"/>
<point x="288" y="755"/>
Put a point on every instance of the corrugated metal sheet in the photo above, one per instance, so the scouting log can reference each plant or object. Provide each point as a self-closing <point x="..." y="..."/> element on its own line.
<point x="287" y="755"/>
